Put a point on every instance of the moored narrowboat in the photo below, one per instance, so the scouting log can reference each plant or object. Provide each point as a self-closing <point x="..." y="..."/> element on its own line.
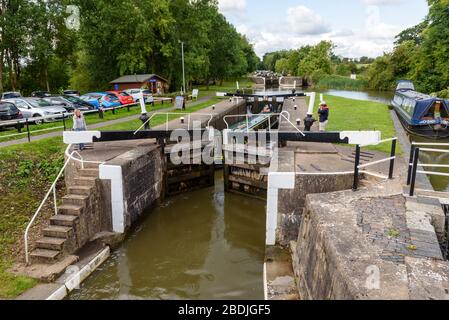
<point x="421" y="114"/>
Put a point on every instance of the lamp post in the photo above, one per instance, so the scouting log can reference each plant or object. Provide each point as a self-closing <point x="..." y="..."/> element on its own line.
<point x="183" y="68"/>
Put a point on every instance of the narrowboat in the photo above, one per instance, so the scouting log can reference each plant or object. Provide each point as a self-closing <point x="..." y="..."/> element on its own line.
<point x="421" y="114"/>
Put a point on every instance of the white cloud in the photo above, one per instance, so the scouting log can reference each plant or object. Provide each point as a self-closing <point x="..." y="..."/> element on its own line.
<point x="232" y="6"/>
<point x="304" y="21"/>
<point x="304" y="27"/>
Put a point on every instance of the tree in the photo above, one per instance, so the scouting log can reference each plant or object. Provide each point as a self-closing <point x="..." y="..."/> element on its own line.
<point x="317" y="59"/>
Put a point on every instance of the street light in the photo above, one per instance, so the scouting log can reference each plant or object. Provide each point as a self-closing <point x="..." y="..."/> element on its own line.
<point x="183" y="67"/>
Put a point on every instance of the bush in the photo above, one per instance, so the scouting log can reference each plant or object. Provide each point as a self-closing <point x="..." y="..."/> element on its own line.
<point x="342" y="83"/>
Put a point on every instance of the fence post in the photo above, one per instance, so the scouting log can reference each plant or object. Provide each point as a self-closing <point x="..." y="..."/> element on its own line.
<point x="63" y="122"/>
<point x="414" y="170"/>
<point x="19" y="127"/>
<point x="410" y="165"/>
<point x="28" y="130"/>
<point x="101" y="114"/>
<point x="113" y="110"/>
<point x="356" y="168"/>
<point x="393" y="154"/>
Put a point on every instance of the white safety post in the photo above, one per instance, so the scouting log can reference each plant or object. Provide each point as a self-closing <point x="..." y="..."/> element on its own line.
<point x="294" y="84"/>
<point x="114" y="173"/>
<point x="143" y="107"/>
<point x="238" y="85"/>
<point x="321" y="97"/>
<point x="276" y="182"/>
<point x="312" y="103"/>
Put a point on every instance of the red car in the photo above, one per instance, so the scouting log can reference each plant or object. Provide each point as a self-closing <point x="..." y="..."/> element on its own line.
<point x="123" y="97"/>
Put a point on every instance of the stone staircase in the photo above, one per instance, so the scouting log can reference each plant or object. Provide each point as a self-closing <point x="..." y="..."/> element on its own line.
<point x="64" y="235"/>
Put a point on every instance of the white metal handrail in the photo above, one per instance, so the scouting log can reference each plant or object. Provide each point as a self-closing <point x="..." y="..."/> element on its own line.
<point x="70" y="157"/>
<point x="283" y="115"/>
<point x="390" y="159"/>
<point x="168" y="114"/>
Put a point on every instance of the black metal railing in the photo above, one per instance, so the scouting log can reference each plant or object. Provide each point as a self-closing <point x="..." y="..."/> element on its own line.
<point x="358" y="166"/>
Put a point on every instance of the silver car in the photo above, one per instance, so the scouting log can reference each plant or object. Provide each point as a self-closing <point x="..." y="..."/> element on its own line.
<point x="36" y="107"/>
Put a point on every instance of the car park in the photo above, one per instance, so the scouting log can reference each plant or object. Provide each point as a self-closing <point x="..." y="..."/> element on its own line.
<point x="9" y="113"/>
<point x="123" y="97"/>
<point x="108" y="100"/>
<point x="36" y="108"/>
<point x="10" y="95"/>
<point x="71" y="103"/>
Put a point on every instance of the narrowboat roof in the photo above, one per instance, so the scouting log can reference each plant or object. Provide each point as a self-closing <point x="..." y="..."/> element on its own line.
<point x="415" y="95"/>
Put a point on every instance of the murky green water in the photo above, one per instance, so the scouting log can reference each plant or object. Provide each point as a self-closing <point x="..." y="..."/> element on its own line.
<point x="200" y="245"/>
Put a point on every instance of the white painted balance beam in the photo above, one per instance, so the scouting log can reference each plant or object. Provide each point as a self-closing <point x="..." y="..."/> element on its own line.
<point x="77" y="137"/>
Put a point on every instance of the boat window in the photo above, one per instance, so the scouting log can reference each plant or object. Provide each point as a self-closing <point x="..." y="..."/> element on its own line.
<point x="443" y="112"/>
<point x="398" y="100"/>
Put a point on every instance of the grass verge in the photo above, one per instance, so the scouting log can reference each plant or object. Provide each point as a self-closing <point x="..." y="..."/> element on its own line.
<point x="358" y="115"/>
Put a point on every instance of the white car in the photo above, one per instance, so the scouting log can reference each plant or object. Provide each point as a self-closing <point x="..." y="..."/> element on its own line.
<point x="10" y="95"/>
<point x="36" y="107"/>
<point x="136" y="94"/>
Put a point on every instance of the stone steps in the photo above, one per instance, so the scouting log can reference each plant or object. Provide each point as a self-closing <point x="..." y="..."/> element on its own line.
<point x="80" y="190"/>
<point x="89" y="172"/>
<point x="75" y="200"/>
<point x="63" y="221"/>
<point x="58" y="232"/>
<point x="50" y="243"/>
<point x="70" y="210"/>
<point x="85" y="181"/>
<point x="45" y="256"/>
<point x="60" y="238"/>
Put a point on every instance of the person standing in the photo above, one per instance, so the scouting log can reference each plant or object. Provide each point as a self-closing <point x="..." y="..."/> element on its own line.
<point x="79" y="124"/>
<point x="323" y="111"/>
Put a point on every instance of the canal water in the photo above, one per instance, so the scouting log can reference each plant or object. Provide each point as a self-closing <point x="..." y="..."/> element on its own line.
<point x="206" y="244"/>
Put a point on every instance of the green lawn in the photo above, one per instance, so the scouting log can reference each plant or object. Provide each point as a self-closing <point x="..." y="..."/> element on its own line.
<point x="26" y="173"/>
<point x="358" y="115"/>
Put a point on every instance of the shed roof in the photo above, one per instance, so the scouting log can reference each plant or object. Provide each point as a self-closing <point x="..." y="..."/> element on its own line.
<point x="137" y="78"/>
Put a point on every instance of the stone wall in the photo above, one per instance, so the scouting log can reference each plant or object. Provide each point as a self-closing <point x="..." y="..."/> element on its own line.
<point x="143" y="175"/>
<point x="292" y="202"/>
<point x="367" y="245"/>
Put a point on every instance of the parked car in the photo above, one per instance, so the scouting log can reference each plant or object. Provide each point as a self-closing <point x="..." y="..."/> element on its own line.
<point x="70" y="103"/>
<point x="10" y="95"/>
<point x="136" y="94"/>
<point x="36" y="107"/>
<point x="41" y="94"/>
<point x="9" y="112"/>
<point x="72" y="93"/>
<point x="123" y="97"/>
<point x="108" y="100"/>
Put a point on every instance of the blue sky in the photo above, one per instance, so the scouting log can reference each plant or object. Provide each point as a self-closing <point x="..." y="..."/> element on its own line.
<point x="357" y="27"/>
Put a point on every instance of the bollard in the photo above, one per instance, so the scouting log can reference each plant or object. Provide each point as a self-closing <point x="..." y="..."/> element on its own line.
<point x="414" y="169"/>
<point x="392" y="161"/>
<point x="355" y="186"/>
<point x="28" y="130"/>
<point x="410" y="165"/>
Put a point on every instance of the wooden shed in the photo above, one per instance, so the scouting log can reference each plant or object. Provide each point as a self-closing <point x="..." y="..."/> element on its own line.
<point x="153" y="82"/>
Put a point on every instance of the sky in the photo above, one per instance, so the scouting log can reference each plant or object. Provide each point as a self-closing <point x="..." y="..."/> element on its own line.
<point x="357" y="27"/>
